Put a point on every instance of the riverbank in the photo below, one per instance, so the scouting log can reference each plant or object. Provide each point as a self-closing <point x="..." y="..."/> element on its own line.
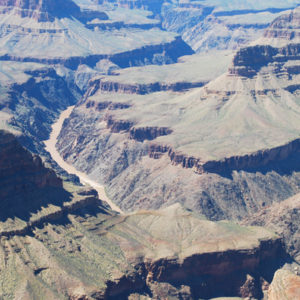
<point x="84" y="178"/>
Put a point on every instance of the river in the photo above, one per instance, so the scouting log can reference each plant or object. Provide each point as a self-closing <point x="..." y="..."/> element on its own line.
<point x="84" y="178"/>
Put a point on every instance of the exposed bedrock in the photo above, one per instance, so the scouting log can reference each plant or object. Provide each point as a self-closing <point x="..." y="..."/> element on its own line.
<point x="36" y="102"/>
<point x="148" y="133"/>
<point x="248" y="61"/>
<point x="118" y="125"/>
<point x="120" y="24"/>
<point x="252" y="161"/>
<point x="48" y="10"/>
<point x="21" y="175"/>
<point x="283" y="218"/>
<point x="139" y="175"/>
<point x="27" y="187"/>
<point x="106" y="105"/>
<point x="156" y="54"/>
<point x="242" y="273"/>
<point x="279" y="28"/>
<point x="152" y="54"/>
<point x="154" y="5"/>
<point x="285" y="285"/>
<point x="139" y="134"/>
<point x="110" y="86"/>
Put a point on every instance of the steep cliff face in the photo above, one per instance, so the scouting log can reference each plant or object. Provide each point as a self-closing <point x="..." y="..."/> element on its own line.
<point x="154" y="6"/>
<point x="189" y="72"/>
<point x="108" y="86"/>
<point x="231" y="143"/>
<point x="201" y="274"/>
<point x="67" y="37"/>
<point x="48" y="10"/>
<point x="99" y="255"/>
<point x="283" y="218"/>
<point x="34" y="97"/>
<point x="251" y="59"/>
<point x="22" y="174"/>
<point x="280" y="43"/>
<point x="220" y="25"/>
<point x="279" y="30"/>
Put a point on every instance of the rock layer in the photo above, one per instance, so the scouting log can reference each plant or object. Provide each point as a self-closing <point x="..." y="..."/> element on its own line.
<point x="99" y="255"/>
<point x="232" y="143"/>
<point x="283" y="218"/>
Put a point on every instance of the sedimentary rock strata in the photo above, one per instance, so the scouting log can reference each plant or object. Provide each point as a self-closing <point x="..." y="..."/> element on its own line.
<point x="235" y="135"/>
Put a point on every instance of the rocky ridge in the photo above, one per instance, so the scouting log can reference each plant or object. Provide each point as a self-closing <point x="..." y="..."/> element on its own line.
<point x="220" y="25"/>
<point x="58" y="234"/>
<point x="285" y="285"/>
<point x="49" y="77"/>
<point x="243" y="151"/>
<point x="283" y="218"/>
<point x="31" y="194"/>
<point x="62" y="236"/>
<point x="59" y="39"/>
<point x="190" y="72"/>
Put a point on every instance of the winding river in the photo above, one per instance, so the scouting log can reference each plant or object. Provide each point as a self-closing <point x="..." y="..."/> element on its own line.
<point x="84" y="178"/>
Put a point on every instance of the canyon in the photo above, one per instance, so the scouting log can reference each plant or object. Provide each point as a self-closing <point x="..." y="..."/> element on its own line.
<point x="61" y="240"/>
<point x="149" y="149"/>
<point x="227" y="144"/>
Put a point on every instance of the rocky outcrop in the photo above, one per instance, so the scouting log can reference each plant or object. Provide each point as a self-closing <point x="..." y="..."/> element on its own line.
<point x="284" y="30"/>
<point x="120" y="24"/>
<point x="68" y="208"/>
<point x="22" y="174"/>
<point x="19" y="164"/>
<point x="141" y="134"/>
<point x="42" y="96"/>
<point x="154" y="6"/>
<point x="142" y="89"/>
<point x="203" y="272"/>
<point x="248" y="61"/>
<point x="280" y="30"/>
<point x="207" y="26"/>
<point x="284" y="218"/>
<point x="155" y="54"/>
<point x="134" y="270"/>
<point x="118" y="125"/>
<point x="99" y="106"/>
<point x="254" y="160"/>
<point x="48" y="10"/>
<point x="247" y="162"/>
<point x="43" y="10"/>
<point x="285" y="285"/>
<point x="28" y="188"/>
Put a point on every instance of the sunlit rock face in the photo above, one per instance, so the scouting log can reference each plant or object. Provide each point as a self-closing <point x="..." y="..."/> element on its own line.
<point x="231" y="143"/>
<point x="154" y="6"/>
<point x="222" y="24"/>
<point x="41" y="10"/>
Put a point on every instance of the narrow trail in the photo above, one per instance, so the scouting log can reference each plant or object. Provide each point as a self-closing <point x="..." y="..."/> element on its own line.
<point x="84" y="179"/>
